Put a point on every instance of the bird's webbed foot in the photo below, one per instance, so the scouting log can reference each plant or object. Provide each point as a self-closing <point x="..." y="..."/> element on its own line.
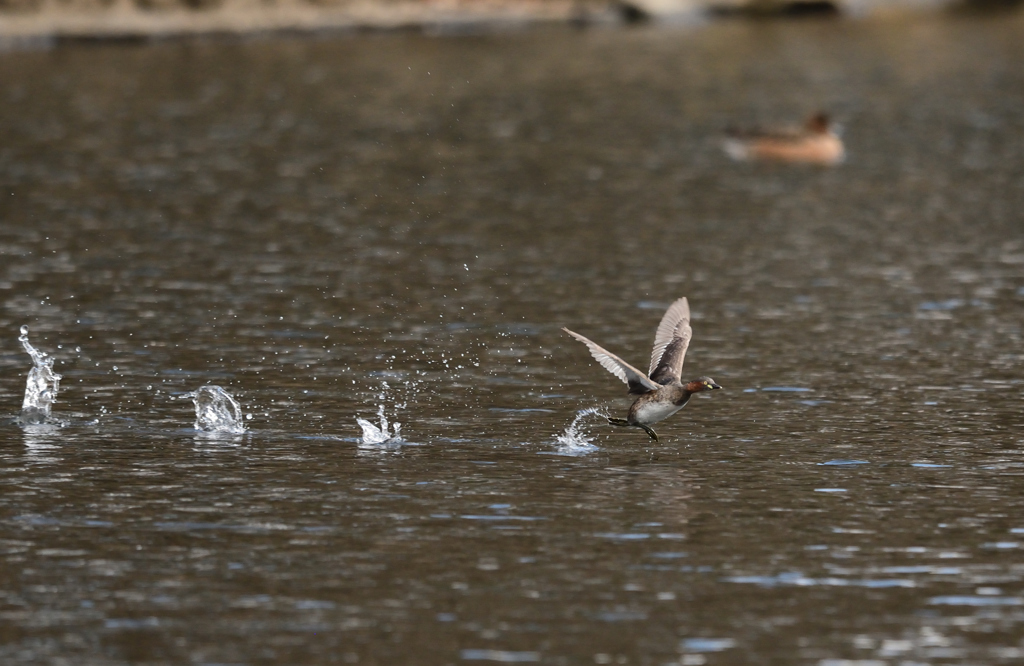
<point x="650" y="431"/>
<point x="623" y="422"/>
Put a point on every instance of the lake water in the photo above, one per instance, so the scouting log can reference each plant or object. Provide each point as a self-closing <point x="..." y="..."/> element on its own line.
<point x="329" y="226"/>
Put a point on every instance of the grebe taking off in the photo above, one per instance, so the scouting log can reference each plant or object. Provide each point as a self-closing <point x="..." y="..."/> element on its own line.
<point x="662" y="392"/>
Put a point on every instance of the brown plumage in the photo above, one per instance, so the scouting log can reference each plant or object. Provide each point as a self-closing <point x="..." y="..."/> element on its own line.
<point x="816" y="142"/>
<point x="661" y="391"/>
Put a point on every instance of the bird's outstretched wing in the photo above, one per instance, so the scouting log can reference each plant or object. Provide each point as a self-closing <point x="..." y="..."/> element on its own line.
<point x="670" y="343"/>
<point x="637" y="381"/>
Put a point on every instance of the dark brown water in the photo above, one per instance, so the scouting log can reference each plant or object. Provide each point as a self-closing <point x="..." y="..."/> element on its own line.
<point x="303" y="221"/>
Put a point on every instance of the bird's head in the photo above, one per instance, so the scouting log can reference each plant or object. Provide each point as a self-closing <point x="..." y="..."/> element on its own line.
<point x="702" y="384"/>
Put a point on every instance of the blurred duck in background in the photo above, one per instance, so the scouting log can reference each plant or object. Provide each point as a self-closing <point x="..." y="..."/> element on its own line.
<point x="817" y="142"/>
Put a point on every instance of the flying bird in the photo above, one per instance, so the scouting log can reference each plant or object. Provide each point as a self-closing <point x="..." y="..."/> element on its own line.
<point x="661" y="392"/>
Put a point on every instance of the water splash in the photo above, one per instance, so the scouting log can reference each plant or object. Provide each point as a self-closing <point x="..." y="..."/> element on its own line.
<point x="386" y="435"/>
<point x="373" y="435"/>
<point x="216" y="411"/>
<point x="575" y="441"/>
<point x="42" y="386"/>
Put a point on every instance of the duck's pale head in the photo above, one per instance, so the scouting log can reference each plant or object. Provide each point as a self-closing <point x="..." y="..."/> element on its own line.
<point x="702" y="384"/>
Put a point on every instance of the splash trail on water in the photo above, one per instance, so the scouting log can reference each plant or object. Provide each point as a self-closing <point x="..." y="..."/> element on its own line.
<point x="385" y="434"/>
<point x="575" y="440"/>
<point x="380" y="435"/>
<point x="216" y="411"/>
<point x="42" y="385"/>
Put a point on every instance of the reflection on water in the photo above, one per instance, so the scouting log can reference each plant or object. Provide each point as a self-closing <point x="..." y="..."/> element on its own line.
<point x="310" y="218"/>
<point x="41" y="441"/>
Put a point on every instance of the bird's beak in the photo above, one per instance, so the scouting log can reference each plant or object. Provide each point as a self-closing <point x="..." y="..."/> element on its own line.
<point x="715" y="386"/>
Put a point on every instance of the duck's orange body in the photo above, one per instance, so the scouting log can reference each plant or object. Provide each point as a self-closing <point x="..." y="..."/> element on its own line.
<point x="815" y="143"/>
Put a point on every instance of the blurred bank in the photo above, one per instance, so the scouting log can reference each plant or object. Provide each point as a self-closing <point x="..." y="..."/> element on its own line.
<point x="28" y="23"/>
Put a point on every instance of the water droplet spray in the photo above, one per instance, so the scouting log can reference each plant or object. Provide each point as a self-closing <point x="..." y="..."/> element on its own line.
<point x="42" y="385"/>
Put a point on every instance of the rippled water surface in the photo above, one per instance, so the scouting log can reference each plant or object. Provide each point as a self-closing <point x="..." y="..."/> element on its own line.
<point x="325" y="227"/>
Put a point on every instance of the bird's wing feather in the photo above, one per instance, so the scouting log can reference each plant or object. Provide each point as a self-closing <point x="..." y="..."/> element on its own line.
<point x="670" y="368"/>
<point x="673" y="324"/>
<point x="638" y="382"/>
